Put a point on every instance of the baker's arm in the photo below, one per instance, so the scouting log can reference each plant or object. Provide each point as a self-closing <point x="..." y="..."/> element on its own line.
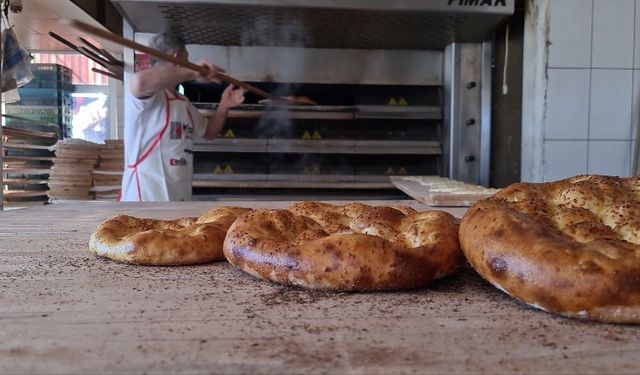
<point x="155" y="79"/>
<point x="231" y="97"/>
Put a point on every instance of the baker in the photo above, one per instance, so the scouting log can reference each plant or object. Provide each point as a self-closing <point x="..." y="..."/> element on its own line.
<point x="160" y="125"/>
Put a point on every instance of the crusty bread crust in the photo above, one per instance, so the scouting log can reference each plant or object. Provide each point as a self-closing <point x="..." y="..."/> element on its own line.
<point x="345" y="248"/>
<point x="571" y="247"/>
<point x="183" y="241"/>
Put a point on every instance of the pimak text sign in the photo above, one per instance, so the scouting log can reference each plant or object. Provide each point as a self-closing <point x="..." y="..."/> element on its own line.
<point x="494" y="3"/>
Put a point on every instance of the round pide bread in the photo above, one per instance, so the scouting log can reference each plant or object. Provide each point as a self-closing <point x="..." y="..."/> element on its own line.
<point x="570" y="247"/>
<point x="184" y="241"/>
<point x="345" y="248"/>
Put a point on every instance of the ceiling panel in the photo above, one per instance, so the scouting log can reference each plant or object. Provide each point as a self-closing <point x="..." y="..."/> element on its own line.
<point x="38" y="17"/>
<point x="411" y="25"/>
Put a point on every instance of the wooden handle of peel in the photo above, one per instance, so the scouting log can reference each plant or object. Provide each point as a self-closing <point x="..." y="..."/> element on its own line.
<point x="108" y="74"/>
<point x="82" y="50"/>
<point x="102" y="51"/>
<point x="164" y="56"/>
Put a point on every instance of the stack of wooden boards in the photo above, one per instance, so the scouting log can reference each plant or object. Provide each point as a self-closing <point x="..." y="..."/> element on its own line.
<point x="441" y="191"/>
<point x="26" y="163"/>
<point x="72" y="171"/>
<point x="107" y="177"/>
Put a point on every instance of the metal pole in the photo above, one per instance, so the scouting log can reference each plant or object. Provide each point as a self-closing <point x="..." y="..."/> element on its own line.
<point x="636" y="150"/>
<point x="485" y="114"/>
<point x="636" y="144"/>
<point x="1" y="125"/>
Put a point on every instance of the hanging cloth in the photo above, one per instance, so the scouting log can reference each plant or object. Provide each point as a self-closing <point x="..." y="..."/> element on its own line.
<point x="15" y="62"/>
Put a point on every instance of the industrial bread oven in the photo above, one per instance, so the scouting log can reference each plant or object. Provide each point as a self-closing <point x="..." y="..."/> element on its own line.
<point x="403" y="88"/>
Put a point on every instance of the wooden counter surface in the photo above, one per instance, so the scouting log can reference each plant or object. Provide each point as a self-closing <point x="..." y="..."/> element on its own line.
<point x="62" y="310"/>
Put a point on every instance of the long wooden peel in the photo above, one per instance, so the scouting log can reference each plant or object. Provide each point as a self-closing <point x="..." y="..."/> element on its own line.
<point x="166" y="57"/>
<point x="102" y="52"/>
<point x="115" y="69"/>
<point x="108" y="74"/>
<point x="84" y="51"/>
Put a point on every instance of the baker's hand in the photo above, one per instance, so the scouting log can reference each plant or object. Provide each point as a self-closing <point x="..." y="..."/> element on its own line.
<point x="212" y="73"/>
<point x="232" y="97"/>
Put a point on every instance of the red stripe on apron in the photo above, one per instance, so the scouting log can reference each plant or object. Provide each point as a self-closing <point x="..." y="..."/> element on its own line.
<point x="193" y="124"/>
<point x="152" y="147"/>
<point x="135" y="171"/>
<point x="177" y="98"/>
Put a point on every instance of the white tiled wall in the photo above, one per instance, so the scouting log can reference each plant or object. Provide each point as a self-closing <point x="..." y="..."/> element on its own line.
<point x="564" y="159"/>
<point x="635" y="103"/>
<point x="610" y="109"/>
<point x="636" y="58"/>
<point x="593" y="88"/>
<point x="609" y="157"/>
<point x="571" y="46"/>
<point x="612" y="33"/>
<point x="567" y="114"/>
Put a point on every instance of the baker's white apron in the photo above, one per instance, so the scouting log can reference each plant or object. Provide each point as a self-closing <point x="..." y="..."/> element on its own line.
<point x="163" y="170"/>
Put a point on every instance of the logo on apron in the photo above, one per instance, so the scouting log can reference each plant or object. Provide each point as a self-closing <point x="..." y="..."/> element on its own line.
<point x="178" y="162"/>
<point x="175" y="130"/>
<point x="188" y="131"/>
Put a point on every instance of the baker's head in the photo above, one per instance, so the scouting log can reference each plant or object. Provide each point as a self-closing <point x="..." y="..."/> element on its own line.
<point x="170" y="43"/>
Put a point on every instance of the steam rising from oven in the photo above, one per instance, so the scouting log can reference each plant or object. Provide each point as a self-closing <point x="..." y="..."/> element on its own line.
<point x="268" y="31"/>
<point x="291" y="37"/>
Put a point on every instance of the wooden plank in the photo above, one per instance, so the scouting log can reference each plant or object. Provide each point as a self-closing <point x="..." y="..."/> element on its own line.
<point x="67" y="174"/>
<point x="65" y="311"/>
<point x="84" y="163"/>
<point x="108" y="172"/>
<point x="27" y="164"/>
<point x="88" y="156"/>
<point x="112" y="148"/>
<point x="69" y="188"/>
<point x="70" y="184"/>
<point x="105" y="179"/>
<point x="80" y="167"/>
<point x="24" y="193"/>
<point x="23" y="181"/>
<point x="441" y="192"/>
<point x="26" y="170"/>
<point x="77" y="144"/>
<point x="69" y="195"/>
<point x="10" y="132"/>
<point x="24" y="146"/>
<point x="9" y="159"/>
<point x="112" y="166"/>
<point x="98" y="183"/>
<point x="110" y="196"/>
<point x="106" y="188"/>
<point x="118" y="155"/>
<point x="412" y="188"/>
<point x="106" y="197"/>
<point x="21" y="204"/>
